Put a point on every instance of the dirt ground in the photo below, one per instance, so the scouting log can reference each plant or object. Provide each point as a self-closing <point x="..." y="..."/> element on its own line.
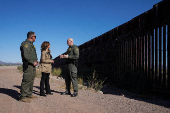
<point x="87" y="101"/>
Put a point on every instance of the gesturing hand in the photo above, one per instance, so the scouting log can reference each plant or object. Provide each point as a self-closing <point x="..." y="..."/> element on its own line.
<point x="61" y="56"/>
<point x="65" y="56"/>
<point x="35" y="63"/>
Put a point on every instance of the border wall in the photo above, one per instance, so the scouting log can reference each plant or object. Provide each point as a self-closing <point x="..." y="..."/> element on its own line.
<point x="138" y="50"/>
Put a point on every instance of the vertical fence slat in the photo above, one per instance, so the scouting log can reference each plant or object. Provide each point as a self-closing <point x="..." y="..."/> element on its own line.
<point x="149" y="55"/>
<point x="131" y="55"/>
<point x="168" y="46"/>
<point x="164" y="55"/>
<point x="128" y="54"/>
<point x="126" y="58"/>
<point x="124" y="66"/>
<point x="139" y="53"/>
<point x="133" y="52"/>
<point x="156" y="56"/>
<point x="153" y="64"/>
<point x="146" y="54"/>
<point x="143" y="54"/>
<point x="160" y="56"/>
<point x="121" y="58"/>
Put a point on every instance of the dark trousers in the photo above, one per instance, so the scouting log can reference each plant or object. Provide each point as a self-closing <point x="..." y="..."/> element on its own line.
<point x="45" y="80"/>
<point x="27" y="81"/>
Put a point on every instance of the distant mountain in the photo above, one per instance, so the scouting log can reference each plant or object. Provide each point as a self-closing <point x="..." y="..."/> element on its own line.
<point x="9" y="63"/>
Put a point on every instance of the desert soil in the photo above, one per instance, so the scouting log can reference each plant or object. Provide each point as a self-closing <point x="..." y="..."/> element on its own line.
<point x="87" y="101"/>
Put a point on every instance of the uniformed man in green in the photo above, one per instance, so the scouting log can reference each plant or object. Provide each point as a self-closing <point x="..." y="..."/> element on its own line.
<point x="30" y="61"/>
<point x="71" y="57"/>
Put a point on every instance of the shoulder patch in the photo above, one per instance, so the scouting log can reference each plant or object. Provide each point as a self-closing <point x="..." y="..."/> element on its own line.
<point x="26" y="45"/>
<point x="69" y="49"/>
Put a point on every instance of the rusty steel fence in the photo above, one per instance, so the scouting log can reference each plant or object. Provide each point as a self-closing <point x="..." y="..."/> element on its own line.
<point x="136" y="50"/>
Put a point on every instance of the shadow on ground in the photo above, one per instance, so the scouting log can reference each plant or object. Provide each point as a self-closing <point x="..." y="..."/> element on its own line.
<point x="38" y="87"/>
<point x="37" y="92"/>
<point x="10" y="92"/>
<point x="161" y="101"/>
<point x="34" y="92"/>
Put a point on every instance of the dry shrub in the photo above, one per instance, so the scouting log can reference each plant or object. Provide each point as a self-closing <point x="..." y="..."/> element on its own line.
<point x="20" y="68"/>
<point x="38" y="73"/>
<point x="94" y="82"/>
<point x="56" y="72"/>
<point x="80" y="80"/>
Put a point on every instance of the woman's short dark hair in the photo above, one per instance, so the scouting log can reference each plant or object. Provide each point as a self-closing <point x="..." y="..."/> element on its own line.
<point x="30" y="33"/>
<point x="44" y="45"/>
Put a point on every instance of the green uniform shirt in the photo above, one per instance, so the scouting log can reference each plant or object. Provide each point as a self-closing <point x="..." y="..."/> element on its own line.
<point x="28" y="52"/>
<point x="73" y="54"/>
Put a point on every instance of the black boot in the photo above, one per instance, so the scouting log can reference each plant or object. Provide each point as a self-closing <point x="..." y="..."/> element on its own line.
<point x="66" y="93"/>
<point x="74" y="95"/>
<point x="42" y="94"/>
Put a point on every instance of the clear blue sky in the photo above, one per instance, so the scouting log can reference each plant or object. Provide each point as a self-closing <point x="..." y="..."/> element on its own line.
<point x="57" y="20"/>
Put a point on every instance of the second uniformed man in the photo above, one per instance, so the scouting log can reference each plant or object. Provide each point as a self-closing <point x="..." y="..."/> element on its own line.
<point x="71" y="57"/>
<point x="30" y="61"/>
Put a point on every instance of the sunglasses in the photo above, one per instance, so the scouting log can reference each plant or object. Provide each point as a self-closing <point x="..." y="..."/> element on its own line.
<point x="34" y="36"/>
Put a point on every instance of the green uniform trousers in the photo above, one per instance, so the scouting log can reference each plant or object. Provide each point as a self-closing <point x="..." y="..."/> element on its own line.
<point x="27" y="82"/>
<point x="71" y="77"/>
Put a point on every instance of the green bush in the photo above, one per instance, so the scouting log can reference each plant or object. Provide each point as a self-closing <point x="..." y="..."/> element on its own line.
<point x="56" y="72"/>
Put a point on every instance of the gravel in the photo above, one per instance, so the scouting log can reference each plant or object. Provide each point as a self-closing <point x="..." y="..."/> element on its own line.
<point x="87" y="101"/>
